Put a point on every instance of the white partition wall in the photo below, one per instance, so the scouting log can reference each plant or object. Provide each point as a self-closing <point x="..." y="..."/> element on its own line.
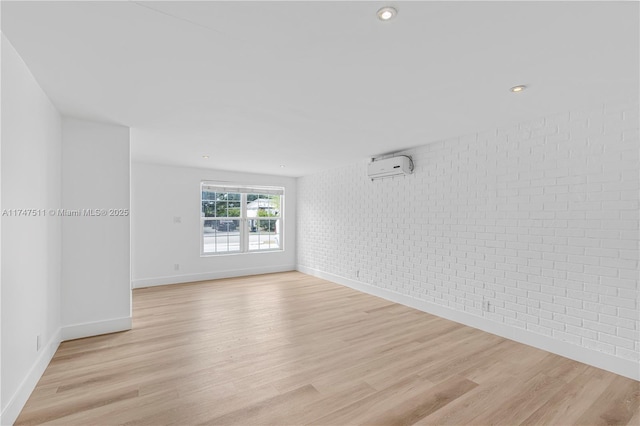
<point x="96" y="278"/>
<point x="31" y="140"/>
<point x="65" y="268"/>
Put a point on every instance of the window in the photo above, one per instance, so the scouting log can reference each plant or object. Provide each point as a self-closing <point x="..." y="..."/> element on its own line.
<point x="240" y="219"/>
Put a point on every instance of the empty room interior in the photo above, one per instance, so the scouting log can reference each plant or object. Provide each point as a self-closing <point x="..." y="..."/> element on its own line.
<point x="319" y="212"/>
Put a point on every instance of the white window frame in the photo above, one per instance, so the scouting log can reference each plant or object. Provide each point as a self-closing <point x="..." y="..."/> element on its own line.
<point x="243" y="220"/>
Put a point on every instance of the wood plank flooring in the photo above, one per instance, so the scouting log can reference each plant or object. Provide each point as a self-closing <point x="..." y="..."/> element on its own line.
<point x="290" y="349"/>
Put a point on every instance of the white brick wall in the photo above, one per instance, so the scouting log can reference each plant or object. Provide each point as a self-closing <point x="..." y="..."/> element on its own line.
<point x="539" y="219"/>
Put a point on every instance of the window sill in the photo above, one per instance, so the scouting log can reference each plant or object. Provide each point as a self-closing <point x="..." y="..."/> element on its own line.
<point x="236" y="253"/>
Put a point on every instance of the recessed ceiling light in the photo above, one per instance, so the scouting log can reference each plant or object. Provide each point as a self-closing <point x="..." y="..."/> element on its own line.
<point x="387" y="13"/>
<point x="282" y="166"/>
<point x="205" y="157"/>
<point x="517" y="89"/>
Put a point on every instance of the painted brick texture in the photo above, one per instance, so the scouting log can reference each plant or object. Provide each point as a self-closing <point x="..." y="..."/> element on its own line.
<point x="540" y="220"/>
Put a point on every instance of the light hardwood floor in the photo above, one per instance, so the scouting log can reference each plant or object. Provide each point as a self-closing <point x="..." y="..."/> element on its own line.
<point x="290" y="349"/>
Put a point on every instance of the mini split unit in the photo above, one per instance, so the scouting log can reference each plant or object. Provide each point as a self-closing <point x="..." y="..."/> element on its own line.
<point x="400" y="165"/>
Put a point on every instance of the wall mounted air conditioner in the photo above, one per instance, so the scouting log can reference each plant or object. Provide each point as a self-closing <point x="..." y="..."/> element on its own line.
<point x="400" y="165"/>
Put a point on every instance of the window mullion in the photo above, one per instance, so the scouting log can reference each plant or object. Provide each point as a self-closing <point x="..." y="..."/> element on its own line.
<point x="244" y="234"/>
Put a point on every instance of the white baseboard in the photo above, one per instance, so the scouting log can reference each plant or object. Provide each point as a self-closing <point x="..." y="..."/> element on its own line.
<point x="20" y="397"/>
<point x="78" y="331"/>
<point x="597" y="359"/>
<point x="187" y="278"/>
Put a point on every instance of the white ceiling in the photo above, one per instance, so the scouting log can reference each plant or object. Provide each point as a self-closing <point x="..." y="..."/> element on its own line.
<point x="314" y="85"/>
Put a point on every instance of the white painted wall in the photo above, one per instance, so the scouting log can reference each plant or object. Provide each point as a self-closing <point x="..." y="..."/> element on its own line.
<point x="161" y="193"/>
<point x="30" y="271"/>
<point x="540" y="220"/>
<point x="96" y="277"/>
<point x="2" y="43"/>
